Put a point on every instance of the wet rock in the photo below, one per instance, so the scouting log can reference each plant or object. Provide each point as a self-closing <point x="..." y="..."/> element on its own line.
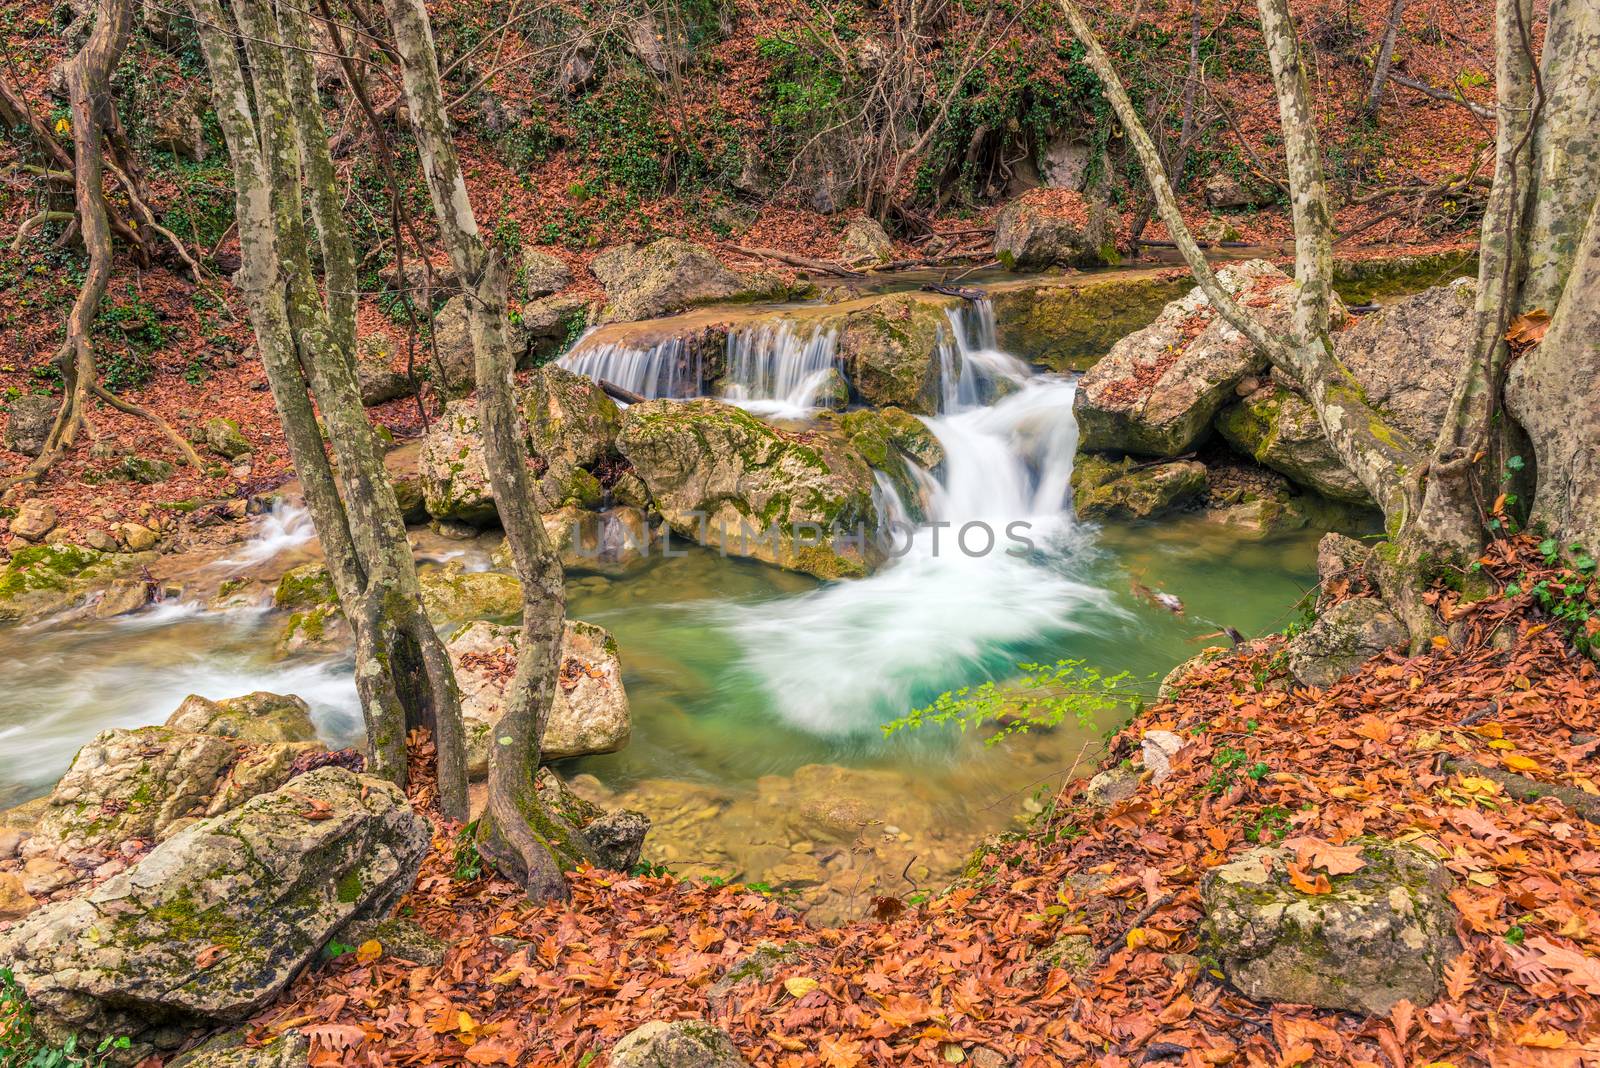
<point x="43" y="580"/>
<point x="1156" y="391"/>
<point x="230" y="1049"/>
<point x="865" y="243"/>
<point x="1033" y="232"/>
<point x="725" y="479"/>
<point x="1253" y="502"/>
<point x="405" y="939"/>
<point x="611" y="542"/>
<point x="15" y="901"/>
<point x="890" y="350"/>
<point x="34" y="520"/>
<point x="1226" y="191"/>
<point x="451" y="594"/>
<point x="1279" y="428"/>
<point x="223" y="437"/>
<point x="681" y="1044"/>
<point x="1129" y="489"/>
<point x="255" y="717"/>
<point x="1068" y="324"/>
<point x="590" y="714"/>
<point x="29" y="425"/>
<point x="1343" y="637"/>
<point x="1407" y="356"/>
<point x="541" y="274"/>
<point x="376" y="375"/>
<point x="662" y="277"/>
<point x="1383" y="934"/>
<point x="212" y="924"/>
<point x="546" y="326"/>
<point x="123" y="596"/>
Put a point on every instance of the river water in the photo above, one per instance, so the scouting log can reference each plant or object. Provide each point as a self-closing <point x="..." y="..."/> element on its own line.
<point x="759" y="695"/>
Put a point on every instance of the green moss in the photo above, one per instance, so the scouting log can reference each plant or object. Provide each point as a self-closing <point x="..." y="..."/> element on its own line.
<point x="349" y="888"/>
<point x="306" y="586"/>
<point x="46" y="567"/>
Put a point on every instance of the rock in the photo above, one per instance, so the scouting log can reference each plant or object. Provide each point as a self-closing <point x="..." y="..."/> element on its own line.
<point x="611" y="542"/>
<point x="1407" y="356"/>
<point x="101" y="540"/>
<point x="1064" y="163"/>
<point x="1157" y="390"/>
<point x="590" y="714"/>
<point x="11" y="839"/>
<point x="1226" y="191"/>
<point x="1279" y="428"/>
<point x="255" y="717"/>
<point x="665" y="276"/>
<point x="43" y="580"/>
<point x="1049" y="227"/>
<point x="451" y="594"/>
<point x="451" y="467"/>
<point x="721" y="477"/>
<point x="230" y="1049"/>
<point x="1105" y="488"/>
<point x="865" y="243"/>
<point x="1252" y="501"/>
<point x="138" y="537"/>
<point x="176" y="127"/>
<point x="408" y="498"/>
<point x="1172" y="683"/>
<point x="614" y="838"/>
<point x="890" y="350"/>
<point x="546" y="327"/>
<point x="316" y="622"/>
<point x="34" y="520"/>
<point x="662" y="53"/>
<point x="43" y="875"/>
<point x="1159" y="747"/>
<point x="405" y="939"/>
<point x="122" y="597"/>
<point x="31" y="418"/>
<point x="541" y="274"/>
<point x="142" y="470"/>
<point x="1383" y="934"/>
<point x="15" y="901"/>
<point x="213" y="923"/>
<point x="1344" y="637"/>
<point x="452" y="337"/>
<point x="376" y="375"/>
<point x="1111" y="787"/>
<point x="223" y="437"/>
<point x="756" y="968"/>
<point x="682" y="1044"/>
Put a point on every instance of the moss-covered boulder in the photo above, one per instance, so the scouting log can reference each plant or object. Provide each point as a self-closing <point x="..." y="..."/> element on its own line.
<point x="539" y="274"/>
<point x="42" y="580"/>
<point x="1343" y="638"/>
<point x="663" y="277"/>
<point x="1047" y="227"/>
<point x="213" y="924"/>
<point x="376" y="375"/>
<point x="590" y="714"/>
<point x="451" y="468"/>
<point x="223" y="437"/>
<point x="315" y="623"/>
<point x="451" y="594"/>
<point x="1156" y="391"/>
<point x="1068" y="324"/>
<point x="723" y="478"/>
<point x="611" y="838"/>
<point x="679" y="1044"/>
<point x="1379" y="934"/>
<point x="1103" y="487"/>
<point x="255" y="717"/>
<point x="1279" y="428"/>
<point x="291" y="1049"/>
<point x="890" y="349"/>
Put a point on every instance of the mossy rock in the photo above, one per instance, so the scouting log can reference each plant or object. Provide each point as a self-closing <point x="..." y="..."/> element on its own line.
<point x="142" y="470"/>
<point x="42" y="580"/>
<point x="1067" y="327"/>
<point x="306" y="586"/>
<point x="1103" y="487"/>
<point x="223" y="437"/>
<point x="1279" y="429"/>
<point x="451" y="594"/>
<point x="891" y="351"/>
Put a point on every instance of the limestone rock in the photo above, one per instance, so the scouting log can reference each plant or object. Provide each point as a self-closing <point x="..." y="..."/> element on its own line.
<point x="230" y="1050"/>
<point x="590" y="715"/>
<point x="213" y="923"/>
<point x="1111" y="787"/>
<point x="1226" y="191"/>
<point x="1341" y="565"/>
<point x="223" y="437"/>
<point x="15" y="901"/>
<point x="453" y="339"/>
<point x="760" y="965"/>
<point x="611" y="542"/>
<point x="1064" y="163"/>
<point x="541" y="274"/>
<point x="1060" y="227"/>
<point x="138" y="537"/>
<point x="1384" y="933"/>
<point x="545" y="327"/>
<point x="1105" y="488"/>
<point x="723" y="478"/>
<point x="613" y="839"/>
<point x="451" y="594"/>
<point x="42" y="580"/>
<point x="121" y="597"/>
<point x="255" y="717"/>
<point x="665" y="276"/>
<point x="1279" y="428"/>
<point x="1158" y="748"/>
<point x="865" y="243"/>
<point x="1344" y="637"/>
<point x="34" y="520"/>
<point x="142" y="469"/>
<point x="176" y="127"/>
<point x="682" y="1044"/>
<point x="376" y="375"/>
<point x="890" y="350"/>
<point x="1253" y="502"/>
<point x="450" y="464"/>
<point x="1157" y="390"/>
<point x="1407" y="356"/>
<point x="405" y="939"/>
<point x="31" y="418"/>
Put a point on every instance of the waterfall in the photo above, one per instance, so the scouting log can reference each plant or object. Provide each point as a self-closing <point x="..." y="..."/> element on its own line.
<point x="971" y="362"/>
<point x="670" y="368"/>
<point x="285" y="527"/>
<point x="773" y="370"/>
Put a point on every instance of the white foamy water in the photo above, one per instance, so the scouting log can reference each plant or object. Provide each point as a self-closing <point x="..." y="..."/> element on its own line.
<point x="776" y="371"/>
<point x="667" y="369"/>
<point x="285" y="527"/>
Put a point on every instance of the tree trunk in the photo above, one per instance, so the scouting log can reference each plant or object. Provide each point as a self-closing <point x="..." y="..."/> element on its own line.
<point x="1380" y="69"/>
<point x="517" y="835"/>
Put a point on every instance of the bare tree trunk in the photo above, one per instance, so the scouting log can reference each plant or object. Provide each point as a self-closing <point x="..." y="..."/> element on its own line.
<point x="1380" y="69"/>
<point x="522" y="839"/>
<point x="275" y="135"/>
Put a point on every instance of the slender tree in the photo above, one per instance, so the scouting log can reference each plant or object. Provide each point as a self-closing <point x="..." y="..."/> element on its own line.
<point x="305" y="332"/>
<point x="1538" y="255"/>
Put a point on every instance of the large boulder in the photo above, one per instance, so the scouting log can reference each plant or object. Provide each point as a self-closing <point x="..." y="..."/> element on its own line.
<point x="546" y="327"/>
<point x="539" y="274"/>
<point x="452" y="340"/>
<point x="1279" y="428"/>
<point x="376" y="375"/>
<point x="1157" y="390"/>
<point x="452" y="594"/>
<point x="43" y="580"/>
<point x="1381" y="931"/>
<point x="865" y="243"/>
<point x="1053" y="226"/>
<point x="231" y="1050"/>
<point x="890" y="350"/>
<point x="451" y="467"/>
<point x="664" y="276"/>
<point x="1106" y="488"/>
<point x="590" y="714"/>
<point x="1343" y="638"/>
<point x="1407" y="356"/>
<point x="679" y="1044"/>
<point x="214" y="923"/>
<point x="255" y="717"/>
<point x="29" y="425"/>
<point x="723" y="478"/>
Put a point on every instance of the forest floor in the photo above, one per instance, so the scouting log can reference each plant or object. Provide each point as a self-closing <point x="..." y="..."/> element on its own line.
<point x="1435" y="750"/>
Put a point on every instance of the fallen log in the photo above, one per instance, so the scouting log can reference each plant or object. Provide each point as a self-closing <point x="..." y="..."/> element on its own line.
<point x="794" y="260"/>
<point x="616" y="392"/>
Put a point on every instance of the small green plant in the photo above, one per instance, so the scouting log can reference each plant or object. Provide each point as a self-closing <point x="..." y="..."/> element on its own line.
<point x="1042" y="698"/>
<point x="649" y="869"/>
<point x="22" y="1045"/>
<point x="1226" y="763"/>
<point x="468" y="862"/>
<point x="1271" y="825"/>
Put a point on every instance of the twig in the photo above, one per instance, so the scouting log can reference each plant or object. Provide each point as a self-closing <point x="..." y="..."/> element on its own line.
<point x="793" y="260"/>
<point x="1144" y="914"/>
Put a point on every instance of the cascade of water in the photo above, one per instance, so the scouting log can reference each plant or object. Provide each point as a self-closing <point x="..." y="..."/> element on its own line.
<point x="670" y="368"/>
<point x="773" y="370"/>
<point x="971" y="362"/>
<point x="285" y="527"/>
